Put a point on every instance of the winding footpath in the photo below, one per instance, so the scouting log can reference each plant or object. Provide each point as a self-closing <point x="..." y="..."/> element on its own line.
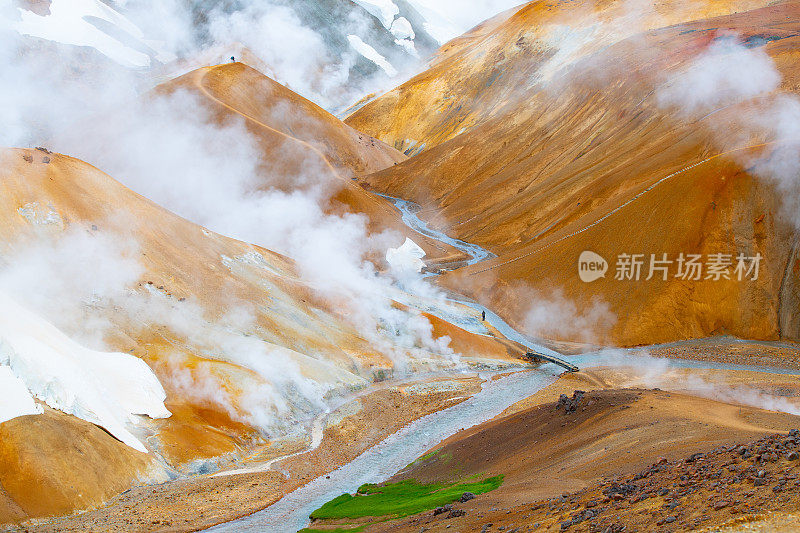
<point x="620" y="207"/>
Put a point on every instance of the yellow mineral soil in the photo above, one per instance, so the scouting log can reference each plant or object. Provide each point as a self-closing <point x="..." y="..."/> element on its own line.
<point x="195" y="277"/>
<point x="491" y="70"/>
<point x="297" y="138"/>
<point x="591" y="160"/>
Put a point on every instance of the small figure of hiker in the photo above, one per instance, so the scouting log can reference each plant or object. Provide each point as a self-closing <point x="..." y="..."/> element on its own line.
<point x="483" y="315"/>
<point x="233" y="59"/>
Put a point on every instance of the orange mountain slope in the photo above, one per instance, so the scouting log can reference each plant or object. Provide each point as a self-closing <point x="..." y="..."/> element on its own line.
<point x="492" y="70"/>
<point x="214" y="318"/>
<point x="297" y="138"/>
<point x="594" y="160"/>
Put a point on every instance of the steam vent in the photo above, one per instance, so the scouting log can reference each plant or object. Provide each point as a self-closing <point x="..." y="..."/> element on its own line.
<point x="400" y="266"/>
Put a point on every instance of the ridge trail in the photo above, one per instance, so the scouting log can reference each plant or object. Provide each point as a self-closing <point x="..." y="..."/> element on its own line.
<point x="199" y="79"/>
<point x="623" y="205"/>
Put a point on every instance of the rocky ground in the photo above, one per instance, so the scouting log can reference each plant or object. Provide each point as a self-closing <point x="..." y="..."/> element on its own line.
<point x="733" y="351"/>
<point x="734" y="483"/>
<point x="614" y="460"/>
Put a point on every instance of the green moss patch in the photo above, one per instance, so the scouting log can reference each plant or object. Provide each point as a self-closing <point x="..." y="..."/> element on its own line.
<point x="400" y="499"/>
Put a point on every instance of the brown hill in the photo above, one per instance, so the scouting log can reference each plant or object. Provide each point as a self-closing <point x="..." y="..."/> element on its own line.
<point x="183" y="316"/>
<point x="593" y="160"/>
<point x="491" y="70"/>
<point x="298" y="137"/>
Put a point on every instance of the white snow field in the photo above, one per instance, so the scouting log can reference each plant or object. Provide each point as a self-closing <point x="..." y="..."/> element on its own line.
<point x="68" y="23"/>
<point x="17" y="401"/>
<point x="447" y="19"/>
<point x="383" y="10"/>
<point x="407" y="258"/>
<point x="373" y="55"/>
<point x="107" y="389"/>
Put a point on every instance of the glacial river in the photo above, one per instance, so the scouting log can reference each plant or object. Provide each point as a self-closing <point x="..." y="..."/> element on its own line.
<point x="379" y="463"/>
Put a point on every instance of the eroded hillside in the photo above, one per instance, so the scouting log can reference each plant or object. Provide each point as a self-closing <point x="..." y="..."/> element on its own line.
<point x="627" y="152"/>
<point x="215" y="319"/>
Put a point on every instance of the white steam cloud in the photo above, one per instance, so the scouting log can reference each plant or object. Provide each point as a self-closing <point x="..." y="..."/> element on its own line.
<point x="724" y="74"/>
<point x="64" y="276"/>
<point x="733" y="87"/>
<point x="644" y="370"/>
<point x="556" y="317"/>
<point x="295" y="54"/>
<point x="170" y="149"/>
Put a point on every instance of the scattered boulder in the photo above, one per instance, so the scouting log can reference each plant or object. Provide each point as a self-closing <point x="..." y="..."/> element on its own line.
<point x="442" y="510"/>
<point x="455" y="513"/>
<point x="570" y="404"/>
<point x="28" y="158"/>
<point x="467" y="496"/>
<point x="721" y="505"/>
<point x="620" y="488"/>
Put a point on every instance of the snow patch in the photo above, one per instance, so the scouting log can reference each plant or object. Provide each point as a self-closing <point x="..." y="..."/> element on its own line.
<point x="106" y="389"/>
<point x="67" y="23"/>
<point x="373" y="55"/>
<point x="383" y="10"/>
<point x="402" y="29"/>
<point x="446" y="19"/>
<point x="407" y="258"/>
<point x="251" y="258"/>
<point x="436" y="24"/>
<point x="17" y="401"/>
<point x="408" y="45"/>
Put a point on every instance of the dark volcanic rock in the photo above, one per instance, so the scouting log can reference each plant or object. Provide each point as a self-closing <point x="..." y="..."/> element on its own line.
<point x="443" y="509"/>
<point x="570" y="404"/>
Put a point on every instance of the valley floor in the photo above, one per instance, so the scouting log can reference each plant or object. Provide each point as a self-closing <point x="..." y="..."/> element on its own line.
<point x="199" y="502"/>
<point x="554" y="463"/>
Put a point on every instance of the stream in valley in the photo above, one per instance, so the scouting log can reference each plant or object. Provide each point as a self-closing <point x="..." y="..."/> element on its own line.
<point x="379" y="463"/>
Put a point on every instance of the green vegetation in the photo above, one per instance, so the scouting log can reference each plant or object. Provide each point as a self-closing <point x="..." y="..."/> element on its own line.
<point x="400" y="499"/>
<point x="439" y="455"/>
